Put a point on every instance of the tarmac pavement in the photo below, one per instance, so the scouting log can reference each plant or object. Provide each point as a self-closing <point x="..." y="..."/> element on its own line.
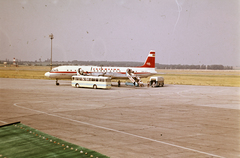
<point x="170" y="121"/>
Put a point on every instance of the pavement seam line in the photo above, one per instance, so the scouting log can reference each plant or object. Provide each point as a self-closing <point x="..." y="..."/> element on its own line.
<point x="106" y="128"/>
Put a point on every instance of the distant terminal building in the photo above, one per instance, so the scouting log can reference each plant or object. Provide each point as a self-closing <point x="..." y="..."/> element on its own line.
<point x="236" y="68"/>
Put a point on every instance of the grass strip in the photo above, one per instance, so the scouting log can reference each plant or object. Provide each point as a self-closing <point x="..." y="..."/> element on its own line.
<point x="178" y="77"/>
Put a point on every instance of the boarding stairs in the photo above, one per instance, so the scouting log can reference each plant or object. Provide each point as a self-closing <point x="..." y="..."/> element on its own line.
<point x="132" y="77"/>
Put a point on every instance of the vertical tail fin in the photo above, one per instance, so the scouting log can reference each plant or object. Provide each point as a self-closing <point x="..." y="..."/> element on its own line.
<point x="150" y="61"/>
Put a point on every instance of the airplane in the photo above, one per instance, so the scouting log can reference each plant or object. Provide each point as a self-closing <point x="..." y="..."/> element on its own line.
<point x="132" y="73"/>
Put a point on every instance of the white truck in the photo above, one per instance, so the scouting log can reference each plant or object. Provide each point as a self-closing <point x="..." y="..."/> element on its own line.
<point x="156" y="81"/>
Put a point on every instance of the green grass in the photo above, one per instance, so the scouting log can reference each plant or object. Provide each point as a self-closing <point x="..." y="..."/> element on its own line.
<point x="26" y="72"/>
<point x="181" y="77"/>
<point x="20" y="141"/>
<point x="202" y="77"/>
<point x="207" y="80"/>
<point x="22" y="74"/>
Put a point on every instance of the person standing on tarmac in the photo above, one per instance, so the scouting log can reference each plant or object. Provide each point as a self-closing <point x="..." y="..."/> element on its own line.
<point x="119" y="83"/>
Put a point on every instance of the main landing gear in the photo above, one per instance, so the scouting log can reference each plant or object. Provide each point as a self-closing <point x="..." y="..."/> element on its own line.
<point x="57" y="84"/>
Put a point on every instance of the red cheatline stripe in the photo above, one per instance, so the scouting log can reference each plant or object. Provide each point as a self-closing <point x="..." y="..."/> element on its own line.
<point x="93" y="72"/>
<point x="139" y="73"/>
<point x="64" y="72"/>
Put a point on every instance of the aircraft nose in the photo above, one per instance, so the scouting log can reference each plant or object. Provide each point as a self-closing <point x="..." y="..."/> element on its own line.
<point x="47" y="74"/>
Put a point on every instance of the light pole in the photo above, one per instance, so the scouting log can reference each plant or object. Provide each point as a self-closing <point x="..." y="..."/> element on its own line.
<point x="51" y="37"/>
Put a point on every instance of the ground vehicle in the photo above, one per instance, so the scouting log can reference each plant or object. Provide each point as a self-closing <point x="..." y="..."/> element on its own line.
<point x="91" y="81"/>
<point x="156" y="81"/>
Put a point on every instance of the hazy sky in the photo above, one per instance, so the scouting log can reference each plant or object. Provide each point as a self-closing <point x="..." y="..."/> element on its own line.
<point x="180" y="31"/>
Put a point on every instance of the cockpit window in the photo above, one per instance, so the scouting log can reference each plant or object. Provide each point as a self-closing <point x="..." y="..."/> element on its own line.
<point x="54" y="70"/>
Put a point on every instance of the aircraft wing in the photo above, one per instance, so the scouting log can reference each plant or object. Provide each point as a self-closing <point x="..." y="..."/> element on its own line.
<point x="160" y="73"/>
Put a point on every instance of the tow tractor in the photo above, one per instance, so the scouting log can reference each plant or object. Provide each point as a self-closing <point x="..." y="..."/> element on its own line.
<point x="156" y="81"/>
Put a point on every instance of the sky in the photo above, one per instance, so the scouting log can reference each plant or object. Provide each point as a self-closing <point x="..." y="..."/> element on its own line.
<point x="180" y="31"/>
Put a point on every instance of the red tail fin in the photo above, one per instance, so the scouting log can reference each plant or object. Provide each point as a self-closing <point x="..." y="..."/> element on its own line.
<point x="150" y="61"/>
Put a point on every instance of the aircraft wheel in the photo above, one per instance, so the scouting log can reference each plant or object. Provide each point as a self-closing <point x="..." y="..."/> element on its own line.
<point x="57" y="84"/>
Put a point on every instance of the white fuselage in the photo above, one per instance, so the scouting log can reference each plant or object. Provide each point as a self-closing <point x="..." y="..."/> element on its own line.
<point x="66" y="72"/>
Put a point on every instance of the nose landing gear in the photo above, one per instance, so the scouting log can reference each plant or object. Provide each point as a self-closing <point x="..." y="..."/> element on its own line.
<point x="57" y="84"/>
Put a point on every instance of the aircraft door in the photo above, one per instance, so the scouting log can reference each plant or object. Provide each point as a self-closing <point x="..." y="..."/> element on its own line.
<point x="80" y="71"/>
